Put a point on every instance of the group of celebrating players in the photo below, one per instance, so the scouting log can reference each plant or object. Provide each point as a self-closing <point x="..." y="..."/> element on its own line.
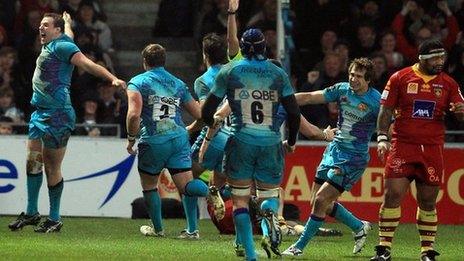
<point x="242" y="142"/>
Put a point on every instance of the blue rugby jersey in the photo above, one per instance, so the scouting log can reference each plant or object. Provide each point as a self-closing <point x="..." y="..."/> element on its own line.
<point x="163" y="95"/>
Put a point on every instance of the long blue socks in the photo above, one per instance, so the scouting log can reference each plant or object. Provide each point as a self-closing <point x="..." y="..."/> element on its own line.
<point x="34" y="182"/>
<point x="343" y="215"/>
<point x="311" y="228"/>
<point x="153" y="202"/>
<point x="244" y="230"/>
<point x="54" y="195"/>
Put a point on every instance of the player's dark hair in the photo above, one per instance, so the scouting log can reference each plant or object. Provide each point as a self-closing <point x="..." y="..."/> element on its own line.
<point x="58" y="20"/>
<point x="363" y="64"/>
<point x="431" y="46"/>
<point x="154" y="55"/>
<point x="215" y="48"/>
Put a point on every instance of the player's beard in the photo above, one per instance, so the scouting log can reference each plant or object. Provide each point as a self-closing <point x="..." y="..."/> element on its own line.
<point x="434" y="70"/>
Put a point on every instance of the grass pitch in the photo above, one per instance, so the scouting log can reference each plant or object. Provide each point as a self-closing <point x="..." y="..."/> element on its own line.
<point x="120" y="239"/>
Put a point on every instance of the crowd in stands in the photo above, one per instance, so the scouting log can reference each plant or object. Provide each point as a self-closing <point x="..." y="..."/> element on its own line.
<point x="327" y="35"/>
<point x="94" y="101"/>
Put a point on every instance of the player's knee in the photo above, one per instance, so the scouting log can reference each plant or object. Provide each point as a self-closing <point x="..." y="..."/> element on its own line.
<point x="393" y="197"/>
<point x="427" y="205"/>
<point x="321" y="200"/>
<point x="34" y="163"/>
<point x="263" y="193"/>
<point x="240" y="191"/>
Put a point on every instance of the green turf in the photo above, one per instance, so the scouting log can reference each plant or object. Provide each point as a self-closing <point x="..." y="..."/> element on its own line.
<point x="111" y="238"/>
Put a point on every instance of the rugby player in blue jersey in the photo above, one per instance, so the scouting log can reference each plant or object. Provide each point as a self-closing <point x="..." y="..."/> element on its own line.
<point x="347" y="156"/>
<point x="254" y="88"/>
<point x="53" y="120"/>
<point x="156" y="99"/>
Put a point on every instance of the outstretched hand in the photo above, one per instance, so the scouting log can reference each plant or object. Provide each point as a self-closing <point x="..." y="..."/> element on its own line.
<point x="67" y="17"/>
<point x="233" y="5"/>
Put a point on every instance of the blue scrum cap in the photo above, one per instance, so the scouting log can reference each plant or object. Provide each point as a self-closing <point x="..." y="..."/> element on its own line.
<point x="253" y="43"/>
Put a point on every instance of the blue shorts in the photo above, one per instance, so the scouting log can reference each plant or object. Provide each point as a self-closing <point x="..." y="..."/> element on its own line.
<point x="213" y="158"/>
<point x="52" y="126"/>
<point x="172" y="154"/>
<point x="351" y="166"/>
<point x="261" y="163"/>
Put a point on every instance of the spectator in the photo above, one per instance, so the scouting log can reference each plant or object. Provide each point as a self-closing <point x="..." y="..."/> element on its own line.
<point x="322" y="115"/>
<point x="26" y="6"/>
<point x="6" y="127"/>
<point x="366" y="41"/>
<point x="342" y="48"/>
<point x="409" y="50"/>
<point x="7" y="106"/>
<point x="381" y="74"/>
<point x="395" y="59"/>
<point x="87" y="18"/>
<point x="71" y="7"/>
<point x="90" y="116"/>
<point x="109" y="108"/>
<point x="215" y="21"/>
<point x="266" y="17"/>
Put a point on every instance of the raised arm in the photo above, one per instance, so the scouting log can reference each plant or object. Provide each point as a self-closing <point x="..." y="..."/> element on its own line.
<point x="81" y="61"/>
<point x="232" y="38"/>
<point x="68" y="25"/>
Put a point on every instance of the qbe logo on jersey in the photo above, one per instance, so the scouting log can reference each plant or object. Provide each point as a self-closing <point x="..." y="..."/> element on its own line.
<point x="423" y="109"/>
<point x="256" y="105"/>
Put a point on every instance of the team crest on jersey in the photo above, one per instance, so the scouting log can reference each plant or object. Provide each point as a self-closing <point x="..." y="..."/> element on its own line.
<point x="423" y="109"/>
<point x="242" y="94"/>
<point x="438" y="92"/>
<point x="425" y="88"/>
<point x="412" y="88"/>
<point x="362" y="107"/>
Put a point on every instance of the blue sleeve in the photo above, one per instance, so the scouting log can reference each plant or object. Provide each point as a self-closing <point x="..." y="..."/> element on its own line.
<point x="287" y="86"/>
<point x="65" y="50"/>
<point x="201" y="89"/>
<point x="220" y="84"/>
<point x="332" y="93"/>
<point x="185" y="95"/>
<point x="133" y="85"/>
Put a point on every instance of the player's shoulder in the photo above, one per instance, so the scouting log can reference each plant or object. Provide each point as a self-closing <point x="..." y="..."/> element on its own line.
<point x="402" y="73"/>
<point x="374" y="95"/>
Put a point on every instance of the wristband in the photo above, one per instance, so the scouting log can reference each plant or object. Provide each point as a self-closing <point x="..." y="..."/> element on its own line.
<point x="231" y="13"/>
<point x="382" y="137"/>
<point x="131" y="137"/>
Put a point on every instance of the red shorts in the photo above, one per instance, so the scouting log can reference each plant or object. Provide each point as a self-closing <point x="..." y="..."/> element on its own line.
<point x="423" y="163"/>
